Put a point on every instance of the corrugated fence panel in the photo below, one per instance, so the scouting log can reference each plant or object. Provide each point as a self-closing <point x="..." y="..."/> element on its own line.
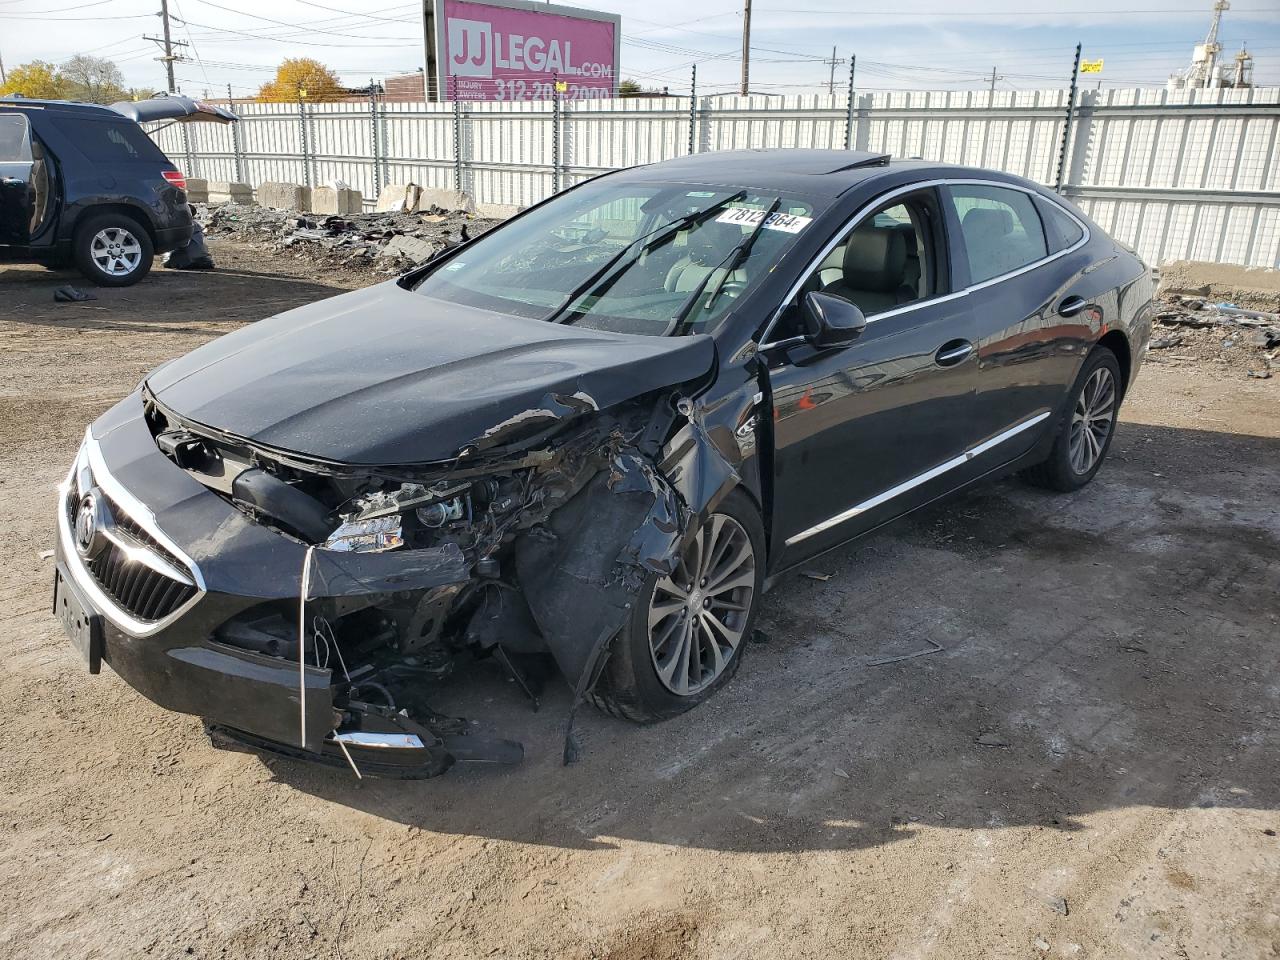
<point x="1175" y="174"/>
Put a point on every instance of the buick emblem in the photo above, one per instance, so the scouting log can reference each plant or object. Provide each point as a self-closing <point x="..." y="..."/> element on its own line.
<point x="87" y="535"/>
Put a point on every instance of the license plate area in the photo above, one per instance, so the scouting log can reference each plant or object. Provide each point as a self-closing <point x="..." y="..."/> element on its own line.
<point x="82" y="625"/>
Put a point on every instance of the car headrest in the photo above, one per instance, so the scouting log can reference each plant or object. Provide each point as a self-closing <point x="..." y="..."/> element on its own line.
<point x="709" y="244"/>
<point x="987" y="222"/>
<point x="875" y="259"/>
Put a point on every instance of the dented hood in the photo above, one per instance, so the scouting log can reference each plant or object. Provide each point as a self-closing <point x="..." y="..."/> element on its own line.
<point x="385" y="376"/>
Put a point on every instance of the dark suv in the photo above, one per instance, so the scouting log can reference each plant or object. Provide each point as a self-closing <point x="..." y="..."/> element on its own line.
<point x="85" y="184"/>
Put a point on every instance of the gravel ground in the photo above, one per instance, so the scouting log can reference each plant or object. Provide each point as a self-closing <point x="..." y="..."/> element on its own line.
<point x="1086" y="769"/>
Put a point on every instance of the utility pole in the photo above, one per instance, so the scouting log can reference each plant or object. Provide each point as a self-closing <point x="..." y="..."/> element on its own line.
<point x="169" y="58"/>
<point x="831" y="79"/>
<point x="993" y="84"/>
<point x="3" y="78"/>
<point x="746" y="46"/>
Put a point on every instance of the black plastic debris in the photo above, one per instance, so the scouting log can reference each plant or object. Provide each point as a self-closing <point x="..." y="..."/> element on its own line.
<point x="70" y="294"/>
<point x="194" y="256"/>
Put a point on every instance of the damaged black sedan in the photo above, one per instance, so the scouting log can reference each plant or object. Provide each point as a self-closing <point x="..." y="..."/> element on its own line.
<point x="588" y="439"/>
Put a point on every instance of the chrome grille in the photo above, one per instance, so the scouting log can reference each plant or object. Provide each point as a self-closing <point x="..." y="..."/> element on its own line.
<point x="141" y="591"/>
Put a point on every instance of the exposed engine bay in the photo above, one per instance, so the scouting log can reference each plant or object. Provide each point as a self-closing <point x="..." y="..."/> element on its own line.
<point x="527" y="548"/>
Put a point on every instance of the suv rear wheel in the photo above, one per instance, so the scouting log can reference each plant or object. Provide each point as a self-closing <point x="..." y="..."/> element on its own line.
<point x="113" y="250"/>
<point x="688" y="630"/>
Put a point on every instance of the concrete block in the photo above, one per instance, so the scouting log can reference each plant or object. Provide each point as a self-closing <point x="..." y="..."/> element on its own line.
<point x="497" y="211"/>
<point x="223" y="191"/>
<point x="429" y="197"/>
<point x="284" y="196"/>
<point x="398" y="198"/>
<point x="337" y="200"/>
<point x="412" y="248"/>
<point x="197" y="190"/>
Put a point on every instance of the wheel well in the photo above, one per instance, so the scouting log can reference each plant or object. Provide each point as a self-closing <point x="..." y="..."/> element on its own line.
<point x="133" y="213"/>
<point x="1118" y="343"/>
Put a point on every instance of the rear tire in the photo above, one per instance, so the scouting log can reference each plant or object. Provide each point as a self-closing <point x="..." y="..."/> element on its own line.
<point x="688" y="631"/>
<point x="113" y="250"/>
<point x="1084" y="433"/>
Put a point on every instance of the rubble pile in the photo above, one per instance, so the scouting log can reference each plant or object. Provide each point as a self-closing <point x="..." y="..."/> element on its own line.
<point x="1190" y="328"/>
<point x="387" y="243"/>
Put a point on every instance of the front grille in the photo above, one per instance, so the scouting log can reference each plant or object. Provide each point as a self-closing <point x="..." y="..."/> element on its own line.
<point x="143" y="593"/>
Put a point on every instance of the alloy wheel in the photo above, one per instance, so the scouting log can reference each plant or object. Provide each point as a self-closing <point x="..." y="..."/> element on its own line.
<point x="1092" y="420"/>
<point x="698" y="614"/>
<point x="116" y="251"/>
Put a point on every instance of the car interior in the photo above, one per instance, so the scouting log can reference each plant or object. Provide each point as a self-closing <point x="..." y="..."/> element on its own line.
<point x="997" y="244"/>
<point x="882" y="264"/>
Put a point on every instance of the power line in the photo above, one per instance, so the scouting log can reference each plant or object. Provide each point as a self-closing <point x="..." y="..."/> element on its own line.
<point x="283" y="23"/>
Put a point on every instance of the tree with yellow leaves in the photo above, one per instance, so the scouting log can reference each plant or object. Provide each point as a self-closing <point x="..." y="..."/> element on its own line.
<point x="302" y="79"/>
<point x="38" y="80"/>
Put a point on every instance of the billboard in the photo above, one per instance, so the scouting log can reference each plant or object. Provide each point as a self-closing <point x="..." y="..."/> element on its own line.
<point x="519" y="50"/>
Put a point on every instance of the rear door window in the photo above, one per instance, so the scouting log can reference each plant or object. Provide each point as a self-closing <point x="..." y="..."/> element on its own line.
<point x="1000" y="230"/>
<point x="15" y="138"/>
<point x="109" y="141"/>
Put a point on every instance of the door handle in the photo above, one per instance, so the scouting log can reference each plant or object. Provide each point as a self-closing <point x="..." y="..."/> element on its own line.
<point x="12" y="181"/>
<point x="1071" y="306"/>
<point x="952" y="352"/>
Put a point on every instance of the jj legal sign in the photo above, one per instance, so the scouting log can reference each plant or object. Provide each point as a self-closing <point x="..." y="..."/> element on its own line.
<point x="518" y="50"/>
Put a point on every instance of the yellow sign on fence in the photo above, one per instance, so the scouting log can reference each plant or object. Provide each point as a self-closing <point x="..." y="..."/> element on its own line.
<point x="1090" y="66"/>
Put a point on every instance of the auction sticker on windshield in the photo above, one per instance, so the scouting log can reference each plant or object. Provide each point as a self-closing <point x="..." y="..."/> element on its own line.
<point x="746" y="217"/>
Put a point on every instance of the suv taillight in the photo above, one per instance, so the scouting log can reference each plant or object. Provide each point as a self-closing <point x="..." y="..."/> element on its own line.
<point x="175" y="178"/>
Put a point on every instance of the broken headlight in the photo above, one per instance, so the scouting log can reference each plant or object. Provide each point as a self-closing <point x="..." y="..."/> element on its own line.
<point x="387" y="519"/>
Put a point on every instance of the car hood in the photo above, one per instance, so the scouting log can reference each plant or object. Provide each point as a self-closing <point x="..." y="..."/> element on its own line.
<point x="386" y="376"/>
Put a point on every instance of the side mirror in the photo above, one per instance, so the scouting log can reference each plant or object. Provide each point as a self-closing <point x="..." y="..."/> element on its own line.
<point x="831" y="321"/>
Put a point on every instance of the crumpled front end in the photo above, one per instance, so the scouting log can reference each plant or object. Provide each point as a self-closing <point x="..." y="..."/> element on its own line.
<point x="312" y="608"/>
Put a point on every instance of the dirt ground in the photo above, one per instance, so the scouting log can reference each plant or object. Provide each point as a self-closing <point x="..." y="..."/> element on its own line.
<point x="1087" y="768"/>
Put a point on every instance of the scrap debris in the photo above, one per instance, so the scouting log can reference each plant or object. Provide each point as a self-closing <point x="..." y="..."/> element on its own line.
<point x="387" y="243"/>
<point x="70" y="294"/>
<point x="1241" y="339"/>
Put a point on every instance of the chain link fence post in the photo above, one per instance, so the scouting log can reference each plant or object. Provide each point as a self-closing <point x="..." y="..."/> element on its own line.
<point x="1066" y="127"/>
<point x="302" y="140"/>
<point x="237" y="155"/>
<point x="555" y="134"/>
<point x="190" y="160"/>
<point x="848" y="116"/>
<point x="374" y="144"/>
<point x="693" y="109"/>
<point x="457" y="137"/>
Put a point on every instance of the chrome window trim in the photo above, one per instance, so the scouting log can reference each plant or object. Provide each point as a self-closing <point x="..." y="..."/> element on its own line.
<point x="137" y="512"/>
<point x="863" y="212"/>
<point x="916" y="481"/>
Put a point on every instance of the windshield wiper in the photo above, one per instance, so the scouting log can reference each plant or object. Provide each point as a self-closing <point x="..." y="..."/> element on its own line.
<point x="615" y="265"/>
<point x="724" y="270"/>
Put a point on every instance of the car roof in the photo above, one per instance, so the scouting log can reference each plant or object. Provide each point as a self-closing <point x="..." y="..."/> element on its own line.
<point x="820" y="173"/>
<point x="60" y="106"/>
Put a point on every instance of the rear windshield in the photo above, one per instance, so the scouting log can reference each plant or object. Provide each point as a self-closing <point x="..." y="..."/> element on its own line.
<point x="109" y="141"/>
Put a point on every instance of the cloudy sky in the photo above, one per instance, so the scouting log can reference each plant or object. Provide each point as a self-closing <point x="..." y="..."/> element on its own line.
<point x="922" y="44"/>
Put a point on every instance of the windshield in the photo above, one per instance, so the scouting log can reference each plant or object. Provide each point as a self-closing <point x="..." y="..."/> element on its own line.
<point x="653" y="258"/>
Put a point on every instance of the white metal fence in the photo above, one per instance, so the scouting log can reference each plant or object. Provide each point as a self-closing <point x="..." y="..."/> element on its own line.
<point x="1188" y="174"/>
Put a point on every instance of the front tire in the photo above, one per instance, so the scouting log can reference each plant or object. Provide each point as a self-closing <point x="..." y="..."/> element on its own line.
<point x="1085" y="431"/>
<point x="688" y="631"/>
<point x="113" y="250"/>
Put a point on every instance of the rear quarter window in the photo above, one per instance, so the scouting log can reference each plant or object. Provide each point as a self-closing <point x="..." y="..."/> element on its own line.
<point x="1060" y="228"/>
<point x="109" y="141"/>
